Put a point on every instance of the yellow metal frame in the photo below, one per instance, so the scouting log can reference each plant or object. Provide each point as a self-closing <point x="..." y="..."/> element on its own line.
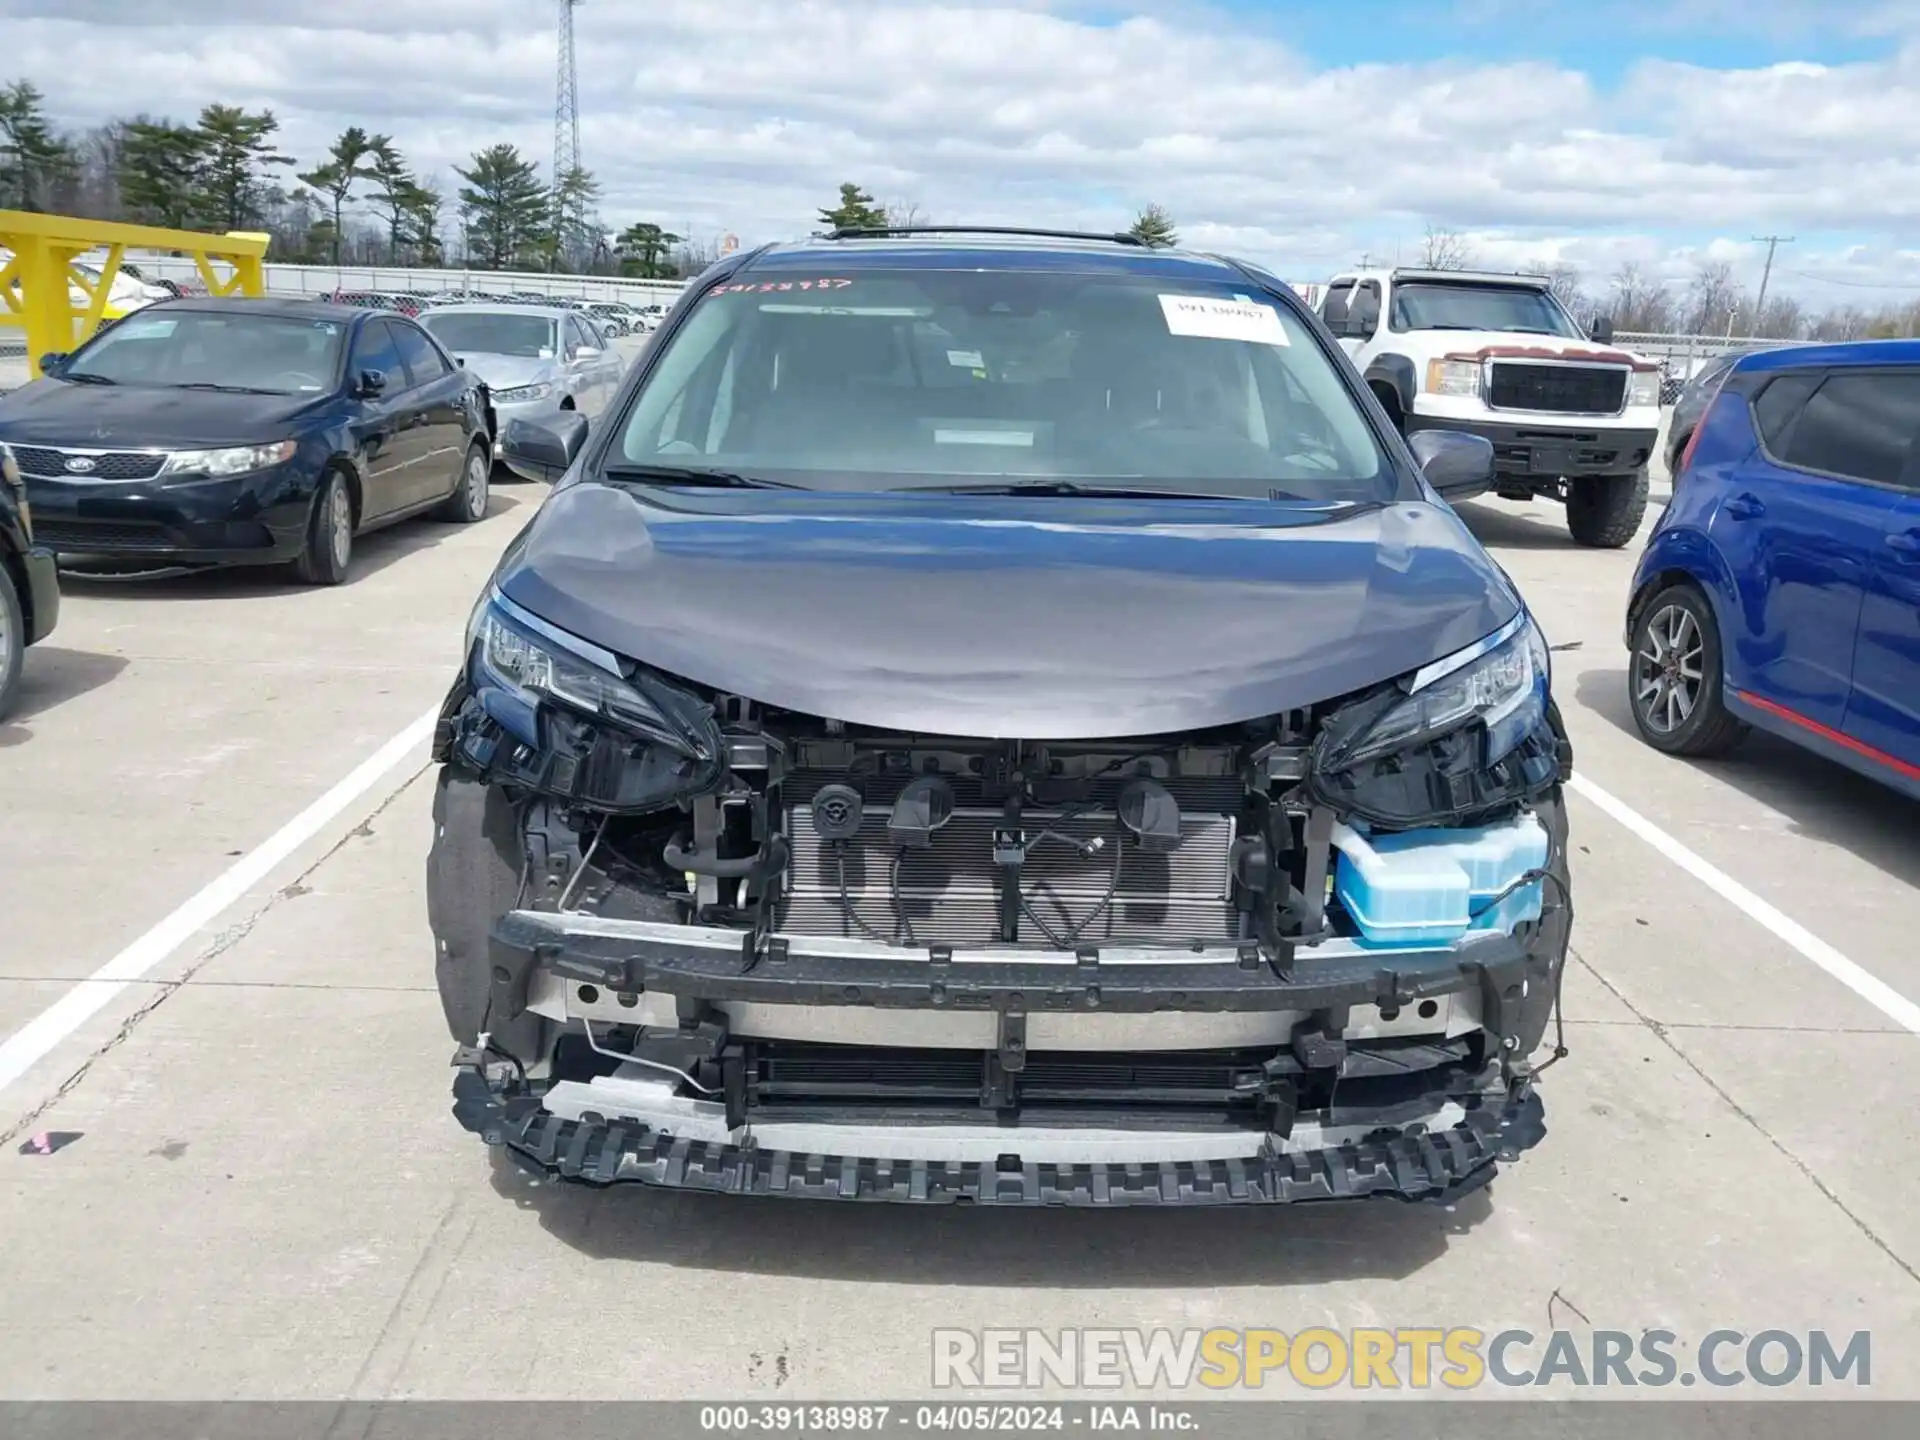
<point x="37" y="283"/>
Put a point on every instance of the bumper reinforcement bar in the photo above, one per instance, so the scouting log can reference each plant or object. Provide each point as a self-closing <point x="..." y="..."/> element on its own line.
<point x="712" y="964"/>
<point x="1438" y="1166"/>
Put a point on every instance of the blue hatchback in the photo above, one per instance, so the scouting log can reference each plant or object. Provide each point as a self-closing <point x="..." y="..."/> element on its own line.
<point x="1781" y="588"/>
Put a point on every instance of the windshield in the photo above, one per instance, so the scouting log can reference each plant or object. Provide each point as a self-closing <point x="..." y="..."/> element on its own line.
<point x="493" y="332"/>
<point x="1452" y="305"/>
<point x="923" y="378"/>
<point x="226" y="349"/>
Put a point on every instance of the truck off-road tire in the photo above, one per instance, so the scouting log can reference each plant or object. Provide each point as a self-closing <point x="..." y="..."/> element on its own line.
<point x="1675" y="684"/>
<point x="13" y="641"/>
<point x="328" y="552"/>
<point x="468" y="503"/>
<point x="1605" y="511"/>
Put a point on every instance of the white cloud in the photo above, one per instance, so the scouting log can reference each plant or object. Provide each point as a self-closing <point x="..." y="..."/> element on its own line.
<point x="744" y="118"/>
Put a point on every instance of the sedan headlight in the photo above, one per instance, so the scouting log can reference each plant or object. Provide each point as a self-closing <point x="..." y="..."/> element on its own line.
<point x="1453" y="377"/>
<point x="1644" y="388"/>
<point x="532" y="662"/>
<point x="1500" y="682"/>
<point x="11" y="477"/>
<point x="237" y="460"/>
<point x="521" y="394"/>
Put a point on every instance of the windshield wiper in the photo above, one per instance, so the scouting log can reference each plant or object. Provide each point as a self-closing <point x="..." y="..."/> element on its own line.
<point x="225" y="389"/>
<point x="691" y="476"/>
<point x="1075" y="488"/>
<point x="88" y="377"/>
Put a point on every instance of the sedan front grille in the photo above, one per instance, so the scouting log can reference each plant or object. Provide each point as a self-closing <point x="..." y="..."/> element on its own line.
<point x="89" y="538"/>
<point x="1557" y="389"/>
<point x="49" y="464"/>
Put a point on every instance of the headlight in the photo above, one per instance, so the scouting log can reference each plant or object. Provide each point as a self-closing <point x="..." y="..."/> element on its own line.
<point x="1501" y="682"/>
<point x="1453" y="377"/>
<point x="240" y="460"/>
<point x="510" y="652"/>
<point x="10" y="477"/>
<point x="1644" y="388"/>
<point x="520" y="394"/>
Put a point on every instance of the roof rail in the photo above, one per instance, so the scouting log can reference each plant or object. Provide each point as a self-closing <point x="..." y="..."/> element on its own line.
<point x="858" y="232"/>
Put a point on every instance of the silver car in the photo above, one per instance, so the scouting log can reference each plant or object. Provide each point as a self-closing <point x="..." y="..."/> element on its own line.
<point x="535" y="360"/>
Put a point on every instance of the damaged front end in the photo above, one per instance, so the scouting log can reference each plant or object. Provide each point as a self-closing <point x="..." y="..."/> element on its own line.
<point x="689" y="939"/>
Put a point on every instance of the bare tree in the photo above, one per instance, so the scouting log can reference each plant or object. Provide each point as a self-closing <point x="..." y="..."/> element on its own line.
<point x="1637" y="302"/>
<point x="1563" y="280"/>
<point x="1445" y="250"/>
<point x="1714" y="298"/>
<point x="691" y="256"/>
<point x="904" y="214"/>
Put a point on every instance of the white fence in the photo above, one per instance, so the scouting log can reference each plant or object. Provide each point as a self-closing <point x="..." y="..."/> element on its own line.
<point x="317" y="280"/>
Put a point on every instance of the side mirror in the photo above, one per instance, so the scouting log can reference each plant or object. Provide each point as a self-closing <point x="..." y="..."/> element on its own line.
<point x="1601" y="332"/>
<point x="585" y="352"/>
<point x="1458" y="466"/>
<point x="372" y="382"/>
<point x="544" y="450"/>
<point x="53" y="362"/>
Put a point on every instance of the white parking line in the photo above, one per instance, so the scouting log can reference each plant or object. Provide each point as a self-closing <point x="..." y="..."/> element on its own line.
<point x="38" y="1037"/>
<point x="1870" y="988"/>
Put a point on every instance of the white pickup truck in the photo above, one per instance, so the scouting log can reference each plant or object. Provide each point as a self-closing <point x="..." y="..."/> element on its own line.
<point x="1570" y="417"/>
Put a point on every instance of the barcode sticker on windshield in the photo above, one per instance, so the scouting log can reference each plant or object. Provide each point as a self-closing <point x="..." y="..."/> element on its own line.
<point x="966" y="359"/>
<point x="1212" y="319"/>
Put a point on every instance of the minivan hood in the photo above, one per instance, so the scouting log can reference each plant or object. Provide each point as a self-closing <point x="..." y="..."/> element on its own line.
<point x="56" y="413"/>
<point x="1030" y="617"/>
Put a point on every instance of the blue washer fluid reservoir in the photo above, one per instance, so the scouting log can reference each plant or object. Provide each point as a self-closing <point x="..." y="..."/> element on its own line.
<point x="1430" y="887"/>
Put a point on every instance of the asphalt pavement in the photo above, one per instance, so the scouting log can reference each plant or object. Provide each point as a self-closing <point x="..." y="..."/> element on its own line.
<point x="215" y="800"/>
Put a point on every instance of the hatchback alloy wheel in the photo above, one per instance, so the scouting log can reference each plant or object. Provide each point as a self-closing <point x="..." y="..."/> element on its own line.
<point x="1669" y="668"/>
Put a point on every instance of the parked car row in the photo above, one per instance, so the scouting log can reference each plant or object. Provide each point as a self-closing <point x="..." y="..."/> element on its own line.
<point x="199" y="432"/>
<point x="615" y="317"/>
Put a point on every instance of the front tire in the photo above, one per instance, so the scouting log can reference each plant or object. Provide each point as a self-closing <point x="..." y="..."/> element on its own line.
<point x="1675" y="682"/>
<point x="328" y="552"/>
<point x="1604" y="511"/>
<point x="13" y="641"/>
<point x="469" y="502"/>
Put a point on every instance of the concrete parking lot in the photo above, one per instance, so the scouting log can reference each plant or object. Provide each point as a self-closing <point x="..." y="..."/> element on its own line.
<point x="268" y="1197"/>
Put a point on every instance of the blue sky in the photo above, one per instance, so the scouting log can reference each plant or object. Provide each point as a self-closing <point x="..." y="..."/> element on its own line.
<point x="1603" y="41"/>
<point x="1661" y="134"/>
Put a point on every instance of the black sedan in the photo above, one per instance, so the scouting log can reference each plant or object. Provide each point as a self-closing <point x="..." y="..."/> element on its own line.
<point x="29" y="591"/>
<point x="203" y="432"/>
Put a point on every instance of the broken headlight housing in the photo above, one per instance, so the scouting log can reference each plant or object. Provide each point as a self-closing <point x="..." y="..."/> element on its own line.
<point x="1500" y="682"/>
<point x="519" y="663"/>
